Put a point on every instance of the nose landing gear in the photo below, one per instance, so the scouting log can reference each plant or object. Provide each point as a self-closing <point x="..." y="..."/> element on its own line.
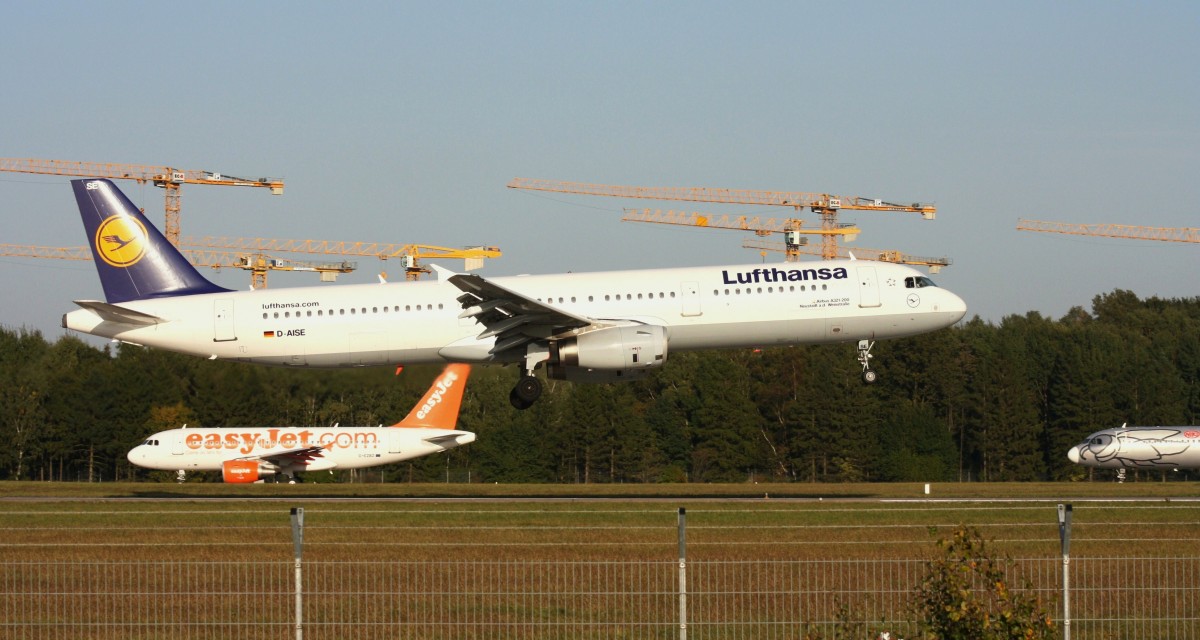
<point x="864" y="358"/>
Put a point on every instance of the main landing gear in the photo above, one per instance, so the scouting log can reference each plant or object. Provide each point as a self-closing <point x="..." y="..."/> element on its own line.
<point x="527" y="391"/>
<point x="864" y="358"/>
<point x="529" y="388"/>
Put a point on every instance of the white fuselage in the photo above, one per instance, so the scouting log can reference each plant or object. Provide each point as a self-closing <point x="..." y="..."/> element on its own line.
<point x="1139" y="448"/>
<point x="343" y="447"/>
<point x="417" y="322"/>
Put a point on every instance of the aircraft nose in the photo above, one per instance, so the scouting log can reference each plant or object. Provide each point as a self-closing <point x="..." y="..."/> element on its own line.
<point x="133" y="454"/>
<point x="1073" y="454"/>
<point x="956" y="306"/>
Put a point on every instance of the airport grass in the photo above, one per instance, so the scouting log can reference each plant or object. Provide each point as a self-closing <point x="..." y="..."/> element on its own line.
<point x="520" y="544"/>
<point x="564" y="522"/>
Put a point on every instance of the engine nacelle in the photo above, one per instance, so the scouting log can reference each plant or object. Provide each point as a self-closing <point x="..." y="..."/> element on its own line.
<point x="237" y="471"/>
<point x="605" y="355"/>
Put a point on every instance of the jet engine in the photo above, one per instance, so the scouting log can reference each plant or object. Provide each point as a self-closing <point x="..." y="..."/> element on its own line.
<point x="236" y="471"/>
<point x="609" y="354"/>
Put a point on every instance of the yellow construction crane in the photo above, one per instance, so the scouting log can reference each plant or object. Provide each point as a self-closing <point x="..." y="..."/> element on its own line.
<point x="257" y="264"/>
<point x="164" y="177"/>
<point x="823" y="204"/>
<point x="252" y="254"/>
<point x="1130" y="232"/>
<point x="791" y="228"/>
<point x="410" y="254"/>
<point x="935" y="264"/>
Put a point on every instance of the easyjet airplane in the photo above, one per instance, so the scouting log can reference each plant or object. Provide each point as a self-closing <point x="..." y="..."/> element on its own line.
<point x="583" y="327"/>
<point x="250" y="454"/>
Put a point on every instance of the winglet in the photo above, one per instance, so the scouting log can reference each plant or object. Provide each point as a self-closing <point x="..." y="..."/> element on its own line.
<point x="438" y="409"/>
<point x="442" y="272"/>
<point x="133" y="258"/>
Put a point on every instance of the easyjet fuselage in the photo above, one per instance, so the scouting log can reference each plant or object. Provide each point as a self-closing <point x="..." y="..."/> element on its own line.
<point x="418" y="322"/>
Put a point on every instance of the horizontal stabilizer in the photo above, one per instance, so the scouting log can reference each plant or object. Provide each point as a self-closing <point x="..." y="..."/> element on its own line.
<point x="448" y="437"/>
<point x="121" y="315"/>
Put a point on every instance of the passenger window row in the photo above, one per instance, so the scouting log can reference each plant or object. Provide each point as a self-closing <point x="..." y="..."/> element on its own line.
<point x="352" y="311"/>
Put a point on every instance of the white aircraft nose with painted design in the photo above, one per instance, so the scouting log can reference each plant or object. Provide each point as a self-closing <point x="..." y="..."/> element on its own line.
<point x="1139" y="448"/>
<point x="250" y="454"/>
<point x="583" y="327"/>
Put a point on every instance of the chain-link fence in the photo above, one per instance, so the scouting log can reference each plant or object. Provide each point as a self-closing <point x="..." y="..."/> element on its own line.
<point x="565" y="572"/>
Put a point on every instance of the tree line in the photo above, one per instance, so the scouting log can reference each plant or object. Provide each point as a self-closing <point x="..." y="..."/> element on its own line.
<point x="977" y="402"/>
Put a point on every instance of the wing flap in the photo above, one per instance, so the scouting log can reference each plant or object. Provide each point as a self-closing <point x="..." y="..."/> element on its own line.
<point x="511" y="318"/>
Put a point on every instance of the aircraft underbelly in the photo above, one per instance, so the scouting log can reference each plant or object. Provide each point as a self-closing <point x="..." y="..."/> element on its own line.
<point x="809" y="330"/>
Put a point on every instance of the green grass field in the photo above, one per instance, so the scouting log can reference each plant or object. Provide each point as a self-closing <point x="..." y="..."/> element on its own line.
<point x="556" y="555"/>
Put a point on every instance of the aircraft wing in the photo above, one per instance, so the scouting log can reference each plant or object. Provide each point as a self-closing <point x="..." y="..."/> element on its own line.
<point x="119" y="314"/>
<point x="512" y="318"/>
<point x="300" y="455"/>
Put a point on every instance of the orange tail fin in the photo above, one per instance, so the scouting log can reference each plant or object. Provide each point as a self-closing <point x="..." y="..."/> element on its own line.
<point x="438" y="409"/>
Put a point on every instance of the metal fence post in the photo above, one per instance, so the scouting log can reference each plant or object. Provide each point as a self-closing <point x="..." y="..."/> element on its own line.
<point x="1064" y="535"/>
<point x="682" y="573"/>
<point x="298" y="547"/>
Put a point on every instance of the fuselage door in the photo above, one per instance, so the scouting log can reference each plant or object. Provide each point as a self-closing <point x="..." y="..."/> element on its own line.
<point x="691" y="298"/>
<point x="395" y="439"/>
<point x="868" y="287"/>
<point x="176" y="444"/>
<point x="223" y="330"/>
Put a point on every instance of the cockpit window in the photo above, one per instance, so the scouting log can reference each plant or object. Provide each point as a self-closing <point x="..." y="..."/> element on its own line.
<point x="918" y="282"/>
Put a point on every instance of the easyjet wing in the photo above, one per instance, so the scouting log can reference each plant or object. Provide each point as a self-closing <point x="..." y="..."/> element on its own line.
<point x="116" y="313"/>
<point x="301" y="455"/>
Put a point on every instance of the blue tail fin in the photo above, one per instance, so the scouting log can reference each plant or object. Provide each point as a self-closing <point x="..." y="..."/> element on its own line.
<point x="133" y="258"/>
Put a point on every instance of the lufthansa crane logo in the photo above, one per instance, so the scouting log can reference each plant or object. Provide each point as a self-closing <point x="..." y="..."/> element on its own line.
<point x="120" y="241"/>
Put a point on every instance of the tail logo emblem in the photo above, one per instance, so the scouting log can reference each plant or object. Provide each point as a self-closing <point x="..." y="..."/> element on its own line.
<point x="120" y="241"/>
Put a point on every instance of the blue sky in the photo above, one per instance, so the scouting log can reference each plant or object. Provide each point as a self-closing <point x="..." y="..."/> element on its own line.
<point x="402" y="122"/>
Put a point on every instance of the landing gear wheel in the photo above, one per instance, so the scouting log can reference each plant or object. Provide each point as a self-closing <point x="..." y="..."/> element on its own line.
<point x="517" y="402"/>
<point x="869" y="376"/>
<point x="527" y="391"/>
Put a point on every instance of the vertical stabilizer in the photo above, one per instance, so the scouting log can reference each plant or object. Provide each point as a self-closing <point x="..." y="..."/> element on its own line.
<point x="438" y="409"/>
<point x="133" y="258"/>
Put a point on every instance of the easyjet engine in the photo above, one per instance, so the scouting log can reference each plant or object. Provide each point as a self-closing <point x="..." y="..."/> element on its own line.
<point x="244" y="471"/>
<point x="609" y="354"/>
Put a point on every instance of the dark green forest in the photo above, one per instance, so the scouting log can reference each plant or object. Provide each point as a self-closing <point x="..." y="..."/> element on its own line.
<point x="978" y="402"/>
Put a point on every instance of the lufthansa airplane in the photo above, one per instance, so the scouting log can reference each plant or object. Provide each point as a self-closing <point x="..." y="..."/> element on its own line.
<point x="583" y="327"/>
<point x="1139" y="448"/>
<point x="250" y="454"/>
